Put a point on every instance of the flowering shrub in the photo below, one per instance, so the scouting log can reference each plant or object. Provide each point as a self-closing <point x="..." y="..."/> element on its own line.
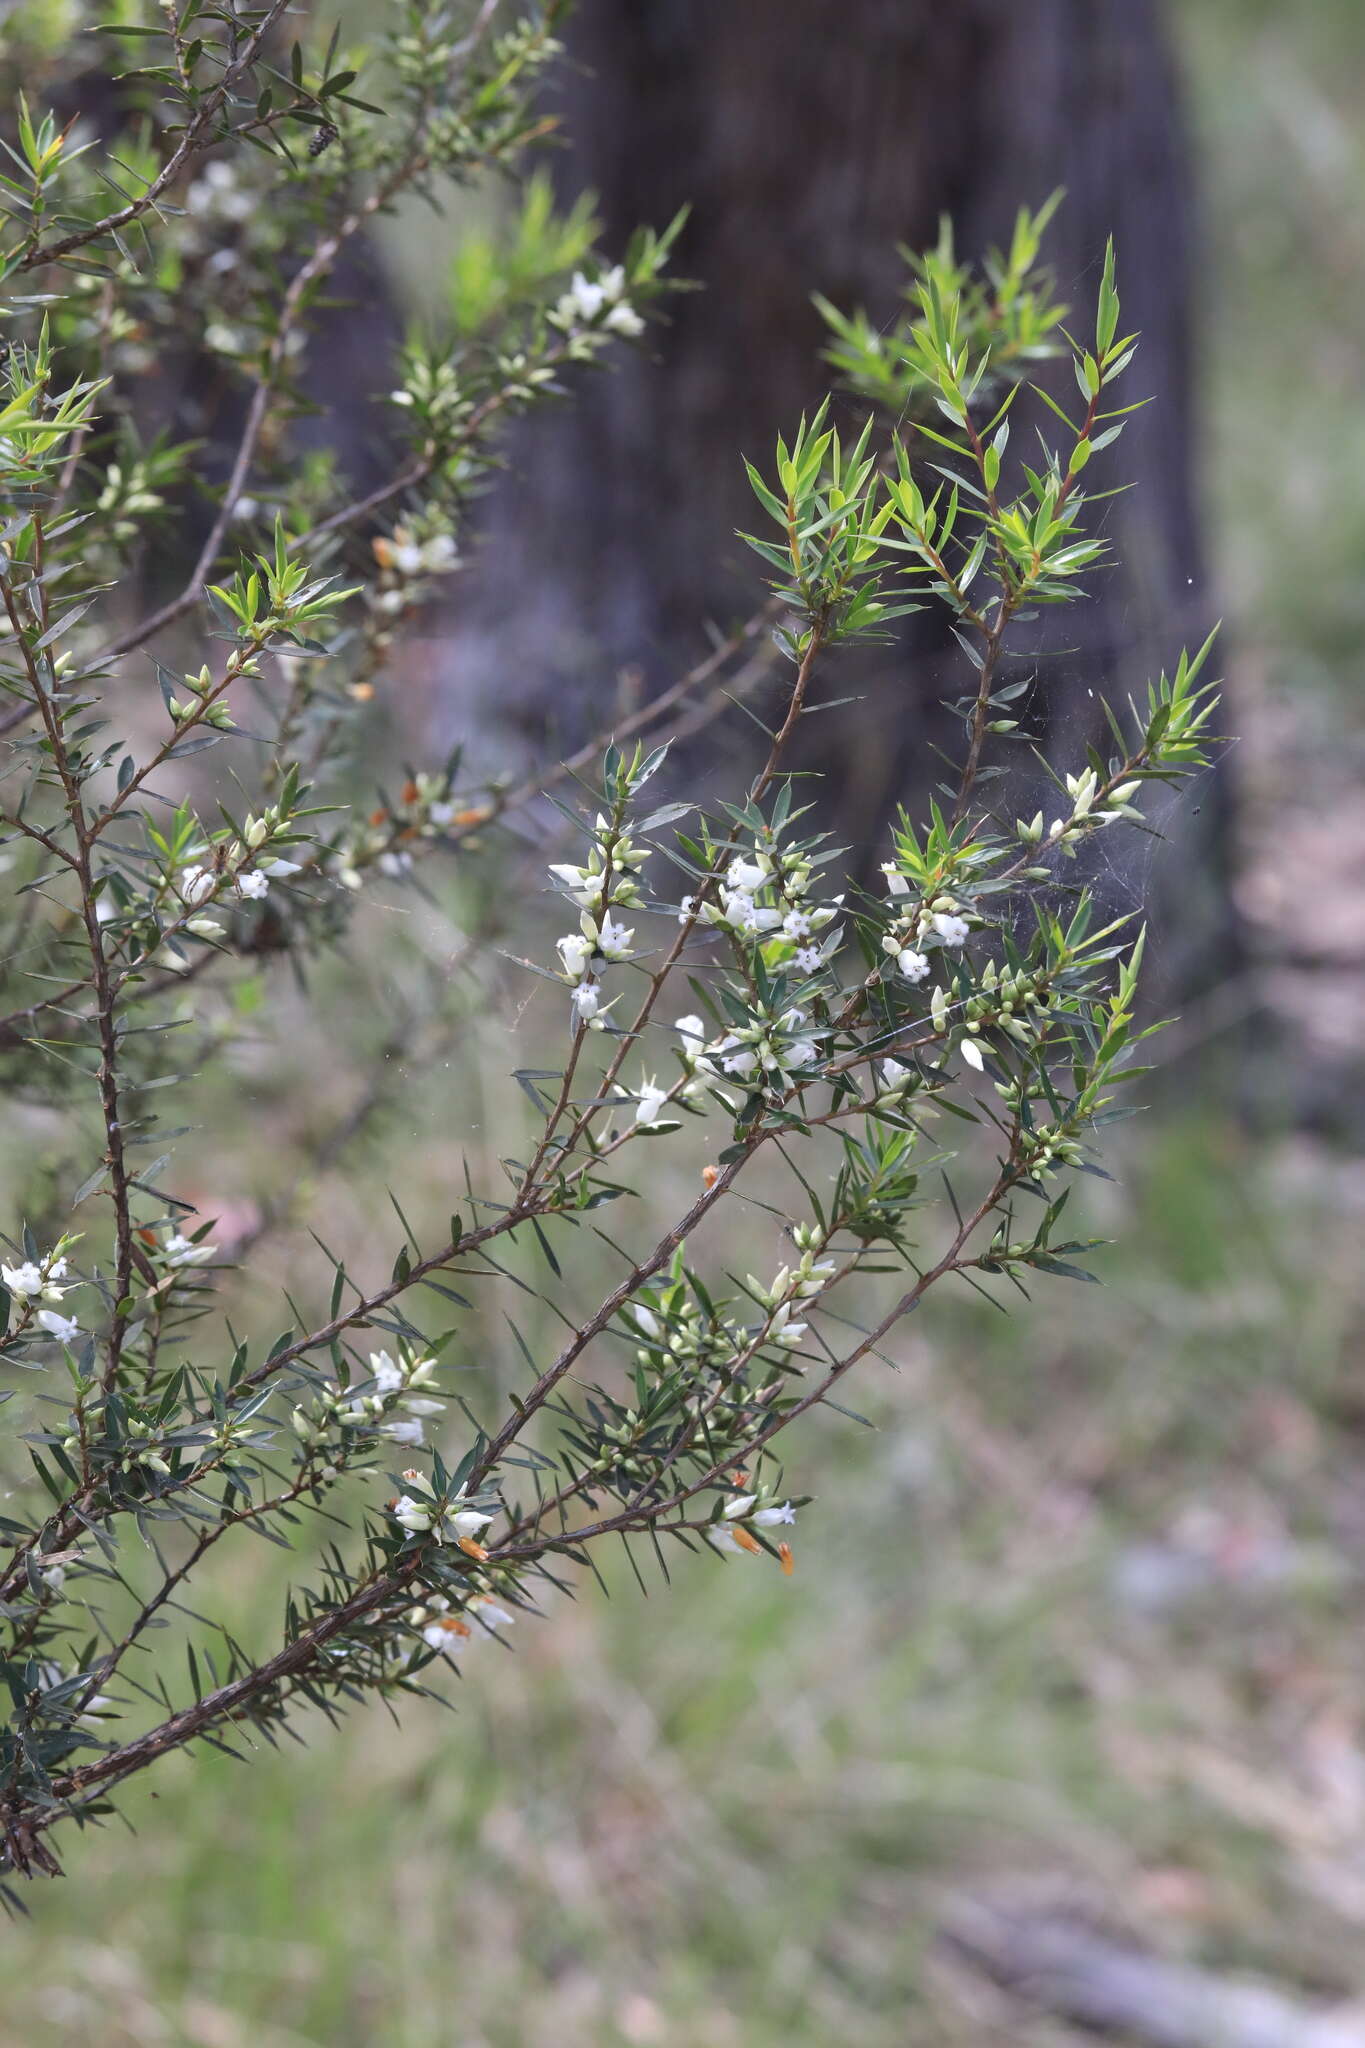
<point x="845" y="1034"/>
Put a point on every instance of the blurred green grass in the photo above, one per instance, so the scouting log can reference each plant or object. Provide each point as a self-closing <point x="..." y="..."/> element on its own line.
<point x="1079" y="1603"/>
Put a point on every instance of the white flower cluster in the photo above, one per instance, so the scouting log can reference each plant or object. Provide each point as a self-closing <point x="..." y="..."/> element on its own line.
<point x="178" y="1250"/>
<point x="749" y="1511"/>
<point x="605" y="883"/>
<point x="1003" y="998"/>
<point x="789" y="1286"/>
<point x="650" y="1103"/>
<point x="1048" y="1147"/>
<point x="406" y="556"/>
<point x="761" y="900"/>
<point x="935" y="921"/>
<point x="420" y="1513"/>
<point x="425" y="810"/>
<point x="242" y="864"/>
<point x="433" y="388"/>
<point x="676" y="1324"/>
<point x="673" y="1322"/>
<point x="1085" y="815"/>
<point x="769" y="1051"/>
<point x="40" y="1280"/>
<point x="394" y="1384"/>
<point x="449" y="1631"/>
<point x="599" y="302"/>
<point x="126" y="494"/>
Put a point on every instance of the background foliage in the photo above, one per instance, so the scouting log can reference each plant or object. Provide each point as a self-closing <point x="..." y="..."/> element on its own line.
<point x="1092" y="1605"/>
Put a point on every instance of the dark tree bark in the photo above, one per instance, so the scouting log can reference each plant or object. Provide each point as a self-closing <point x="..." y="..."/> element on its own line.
<point x="810" y="139"/>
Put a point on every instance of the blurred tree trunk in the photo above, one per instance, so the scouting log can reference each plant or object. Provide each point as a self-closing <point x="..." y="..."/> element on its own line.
<point x="810" y="139"/>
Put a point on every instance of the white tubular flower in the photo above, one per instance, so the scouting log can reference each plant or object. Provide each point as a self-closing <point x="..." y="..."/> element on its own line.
<point x="1081" y="789"/>
<point x="896" y="884"/>
<point x="180" y="1251"/>
<point x="802" y="1052"/>
<point x="575" y="951"/>
<point x="624" y="320"/>
<point x="797" y="924"/>
<point x="417" y="1405"/>
<point x="748" y="875"/>
<point x="646" y="1322"/>
<point x="809" y="959"/>
<point x="812" y="1279"/>
<point x="412" y="1515"/>
<point x="25" y="1280"/>
<point x="586" y="1001"/>
<point x="613" y="940"/>
<point x="57" y="1269"/>
<point x="971" y="1053"/>
<point x="723" y="1538"/>
<point x="951" y="931"/>
<point x="894" y="1074"/>
<point x="788" y="1334"/>
<point x="775" y="1517"/>
<point x="254" y="885"/>
<point x="692" y="1031"/>
<point x="386" y="1373"/>
<point x="586" y="889"/>
<point x="440" y="554"/>
<point x="736" y="1056"/>
<point x="912" y="965"/>
<point x="585" y="299"/>
<point x="737" y="1509"/>
<point x="447" y="1634"/>
<point x="64" y="1328"/>
<point x="196" y="885"/>
<point x="451" y="1633"/>
<point x="652" y="1100"/>
<point x="204" y="927"/>
<point x="489" y="1613"/>
<point x="938" y="1008"/>
<point x="405" y="1432"/>
<point x="749" y="917"/>
<point x="280" y="870"/>
<point x="461" y="1524"/>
